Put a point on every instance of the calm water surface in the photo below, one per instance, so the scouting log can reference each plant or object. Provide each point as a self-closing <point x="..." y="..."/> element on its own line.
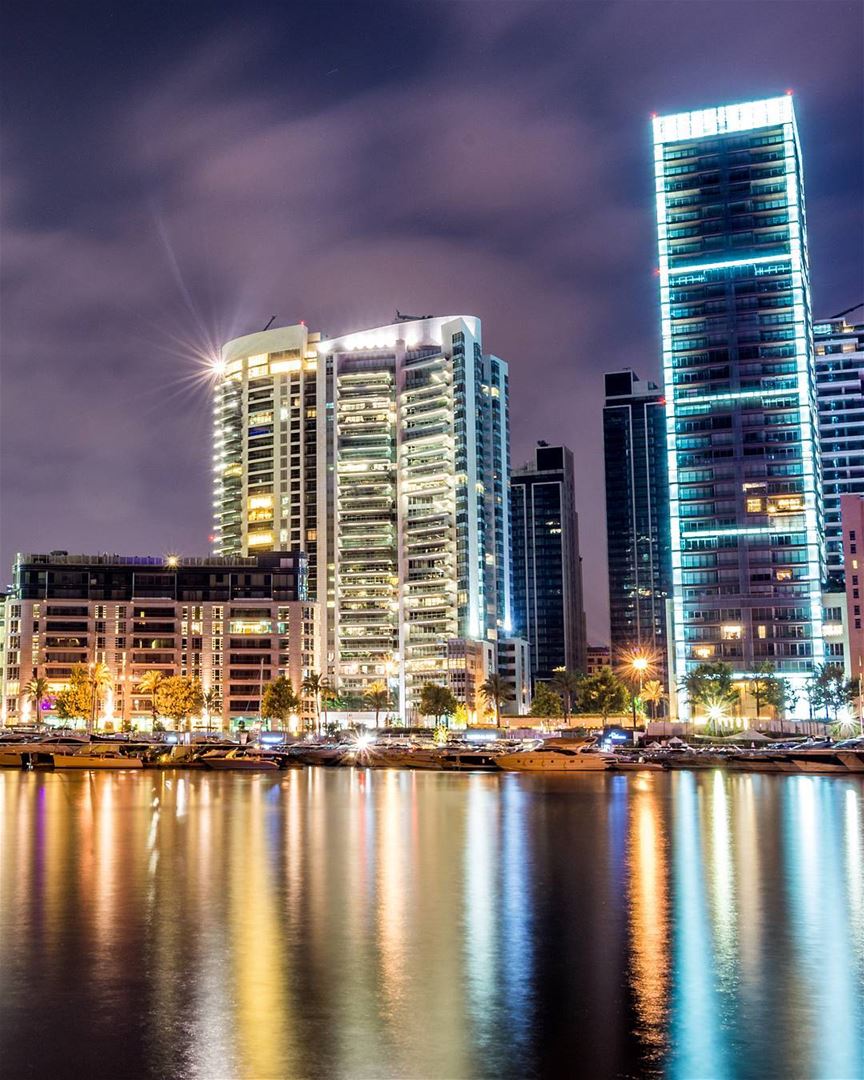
<point x="343" y="923"/>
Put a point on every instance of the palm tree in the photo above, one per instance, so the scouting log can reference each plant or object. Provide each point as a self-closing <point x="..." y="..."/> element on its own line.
<point x="653" y="694"/>
<point x="99" y="676"/>
<point x="212" y="701"/>
<point x="37" y="691"/>
<point x="566" y="684"/>
<point x="317" y="687"/>
<point x="378" y="698"/>
<point x="149" y="684"/>
<point x="496" y="693"/>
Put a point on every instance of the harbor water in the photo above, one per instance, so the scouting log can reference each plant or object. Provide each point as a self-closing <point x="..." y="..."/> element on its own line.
<point x="357" y="923"/>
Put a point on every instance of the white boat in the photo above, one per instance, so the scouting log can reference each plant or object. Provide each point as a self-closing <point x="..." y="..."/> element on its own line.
<point x="557" y="758"/>
<point x="237" y="761"/>
<point x="100" y="756"/>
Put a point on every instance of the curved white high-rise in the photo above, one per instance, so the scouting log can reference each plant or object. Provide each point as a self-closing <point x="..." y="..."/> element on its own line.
<point x="384" y="454"/>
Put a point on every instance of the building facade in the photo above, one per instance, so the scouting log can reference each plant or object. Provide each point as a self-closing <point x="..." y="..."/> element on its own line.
<point x="232" y="623"/>
<point x="840" y="384"/>
<point x="852" y="529"/>
<point x="747" y="536"/>
<point x="548" y="607"/>
<point x="637" y="517"/>
<point x="598" y="657"/>
<point x="385" y="455"/>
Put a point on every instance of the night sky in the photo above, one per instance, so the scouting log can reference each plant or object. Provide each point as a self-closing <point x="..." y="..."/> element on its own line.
<point x="175" y="174"/>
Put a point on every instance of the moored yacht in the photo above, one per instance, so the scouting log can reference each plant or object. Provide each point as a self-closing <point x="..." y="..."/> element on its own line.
<point x="239" y="761"/>
<point x="98" y="756"/>
<point x="557" y="757"/>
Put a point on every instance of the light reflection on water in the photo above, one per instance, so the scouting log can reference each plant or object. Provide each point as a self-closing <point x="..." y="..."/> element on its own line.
<point x="353" y="924"/>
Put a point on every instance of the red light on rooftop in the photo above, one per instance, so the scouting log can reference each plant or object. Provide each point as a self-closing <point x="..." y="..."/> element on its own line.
<point x="302" y="322"/>
<point x="656" y="271"/>
<point x="654" y="115"/>
<point x="789" y="93"/>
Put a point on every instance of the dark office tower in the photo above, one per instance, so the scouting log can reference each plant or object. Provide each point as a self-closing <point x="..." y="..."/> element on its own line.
<point x="547" y="572"/>
<point x="745" y="492"/>
<point x="840" y="382"/>
<point x="637" y="516"/>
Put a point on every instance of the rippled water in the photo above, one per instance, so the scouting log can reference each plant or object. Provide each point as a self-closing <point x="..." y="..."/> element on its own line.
<point x="362" y="924"/>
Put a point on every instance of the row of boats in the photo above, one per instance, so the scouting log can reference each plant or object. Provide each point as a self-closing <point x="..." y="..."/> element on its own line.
<point x="555" y="755"/>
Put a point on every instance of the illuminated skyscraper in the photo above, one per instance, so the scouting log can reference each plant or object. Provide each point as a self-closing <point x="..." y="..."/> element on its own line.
<point x="637" y="516"/>
<point x="547" y="570"/>
<point x="747" y="537"/>
<point x="385" y="455"/>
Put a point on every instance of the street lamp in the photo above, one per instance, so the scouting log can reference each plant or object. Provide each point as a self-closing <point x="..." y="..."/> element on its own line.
<point x="637" y="665"/>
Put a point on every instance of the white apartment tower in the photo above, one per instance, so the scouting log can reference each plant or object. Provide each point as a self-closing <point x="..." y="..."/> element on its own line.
<point x="384" y="454"/>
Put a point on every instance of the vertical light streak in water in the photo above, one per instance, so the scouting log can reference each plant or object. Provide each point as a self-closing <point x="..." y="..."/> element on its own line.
<point x="697" y="1047"/>
<point x="256" y="943"/>
<point x="516" y="930"/>
<point x="747" y="871"/>
<point x="649" y="914"/>
<point x="211" y="1039"/>
<point x="393" y="895"/>
<point x="831" y="994"/>
<point x="854" y="826"/>
<point x="481" y="857"/>
<point x="721" y="873"/>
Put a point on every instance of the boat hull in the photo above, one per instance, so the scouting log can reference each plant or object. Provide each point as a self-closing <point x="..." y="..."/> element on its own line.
<point x="96" y="761"/>
<point x="241" y="765"/>
<point x="533" y="761"/>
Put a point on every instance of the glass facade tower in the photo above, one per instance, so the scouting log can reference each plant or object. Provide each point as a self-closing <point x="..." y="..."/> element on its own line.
<point x="747" y="537"/>
<point x="840" y="381"/>
<point x="637" y="516"/>
<point x="547" y="569"/>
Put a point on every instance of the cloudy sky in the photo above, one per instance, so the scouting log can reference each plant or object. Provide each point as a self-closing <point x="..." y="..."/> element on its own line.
<point x="175" y="174"/>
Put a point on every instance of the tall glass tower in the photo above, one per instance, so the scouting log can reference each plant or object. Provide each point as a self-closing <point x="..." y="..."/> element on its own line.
<point x="747" y="537"/>
<point x="637" y="516"/>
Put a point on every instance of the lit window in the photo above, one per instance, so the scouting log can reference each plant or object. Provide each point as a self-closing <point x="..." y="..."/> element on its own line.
<point x="731" y="632"/>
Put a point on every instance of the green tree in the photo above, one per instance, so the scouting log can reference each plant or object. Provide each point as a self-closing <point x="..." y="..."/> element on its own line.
<point x="437" y="701"/>
<point x="653" y="693"/>
<point x="495" y="693"/>
<point x="212" y="702"/>
<point x="546" y="702"/>
<point x="603" y="693"/>
<point x="37" y="691"/>
<point x="75" y="700"/>
<point x="329" y="700"/>
<point x="312" y="688"/>
<point x="148" y="685"/>
<point x="99" y="676"/>
<point x="712" y="687"/>
<point x="179" y="698"/>
<point x="781" y="696"/>
<point x="833" y="691"/>
<point x="566" y="685"/>
<point x="378" y="698"/>
<point x="761" y="686"/>
<point x="279" y="701"/>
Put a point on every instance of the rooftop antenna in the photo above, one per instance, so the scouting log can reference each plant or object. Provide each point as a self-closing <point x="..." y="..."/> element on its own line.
<point x="840" y="314"/>
<point x="269" y="324"/>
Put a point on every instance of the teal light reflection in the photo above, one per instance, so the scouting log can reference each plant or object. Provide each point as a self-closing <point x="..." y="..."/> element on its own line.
<point x="696" y="1040"/>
